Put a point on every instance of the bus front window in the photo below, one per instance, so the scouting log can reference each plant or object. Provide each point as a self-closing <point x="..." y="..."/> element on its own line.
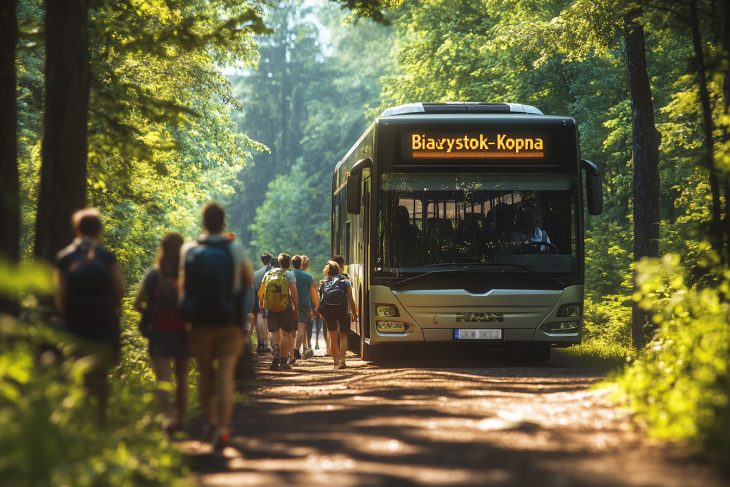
<point x="428" y="219"/>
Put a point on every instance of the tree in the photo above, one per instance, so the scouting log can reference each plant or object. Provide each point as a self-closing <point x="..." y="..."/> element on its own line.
<point x="64" y="146"/>
<point x="9" y="179"/>
<point x="645" y="157"/>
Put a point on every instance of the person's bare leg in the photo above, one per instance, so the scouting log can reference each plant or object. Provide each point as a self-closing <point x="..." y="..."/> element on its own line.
<point x="226" y="384"/>
<point x="163" y="373"/>
<point x="285" y="345"/>
<point x="181" y="392"/>
<point x="335" y="347"/>
<point x="207" y="383"/>
<point x="276" y="344"/>
<point x="262" y="328"/>
<point x="343" y="347"/>
<point x="301" y="336"/>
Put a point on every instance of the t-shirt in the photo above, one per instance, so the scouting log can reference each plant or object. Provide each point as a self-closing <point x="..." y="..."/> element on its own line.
<point x="304" y="284"/>
<point x="89" y="309"/>
<point x="258" y="276"/>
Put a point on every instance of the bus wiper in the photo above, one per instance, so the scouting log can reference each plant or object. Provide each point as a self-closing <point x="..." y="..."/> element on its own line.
<point x="419" y="276"/>
<point x="467" y="265"/>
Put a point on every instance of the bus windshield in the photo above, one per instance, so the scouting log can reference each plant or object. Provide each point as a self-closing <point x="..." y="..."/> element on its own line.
<point x="428" y="220"/>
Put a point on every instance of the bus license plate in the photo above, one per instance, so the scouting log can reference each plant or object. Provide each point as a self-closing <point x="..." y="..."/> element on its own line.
<point x="471" y="334"/>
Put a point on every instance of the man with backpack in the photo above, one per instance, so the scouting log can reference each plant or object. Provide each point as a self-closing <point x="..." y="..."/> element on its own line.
<point x="213" y="277"/>
<point x="335" y="299"/>
<point x="259" y="318"/>
<point x="90" y="290"/>
<point x="307" y="292"/>
<point x="278" y="294"/>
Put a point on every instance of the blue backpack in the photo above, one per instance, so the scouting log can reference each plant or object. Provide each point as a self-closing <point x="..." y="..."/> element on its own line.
<point x="209" y="297"/>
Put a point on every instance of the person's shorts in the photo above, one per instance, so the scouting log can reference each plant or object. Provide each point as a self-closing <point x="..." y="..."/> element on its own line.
<point x="256" y="308"/>
<point x="172" y="344"/>
<point x="210" y="342"/>
<point x="281" y="320"/>
<point x="305" y="314"/>
<point x="335" y="323"/>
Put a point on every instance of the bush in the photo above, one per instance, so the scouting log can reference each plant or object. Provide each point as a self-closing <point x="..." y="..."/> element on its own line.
<point x="680" y="384"/>
<point x="50" y="433"/>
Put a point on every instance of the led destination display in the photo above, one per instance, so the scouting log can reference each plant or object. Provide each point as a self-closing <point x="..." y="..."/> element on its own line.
<point x="485" y="145"/>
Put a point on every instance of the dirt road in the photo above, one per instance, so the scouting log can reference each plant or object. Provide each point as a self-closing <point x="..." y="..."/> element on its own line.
<point x="457" y="417"/>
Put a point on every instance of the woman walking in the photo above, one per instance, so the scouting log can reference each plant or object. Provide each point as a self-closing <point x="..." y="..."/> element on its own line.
<point x="164" y="326"/>
<point x="335" y="298"/>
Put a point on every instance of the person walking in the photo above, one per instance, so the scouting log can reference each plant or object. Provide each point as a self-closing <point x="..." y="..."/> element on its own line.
<point x="335" y="297"/>
<point x="312" y="319"/>
<point x="260" y="320"/>
<point x="278" y="294"/>
<point x="213" y="275"/>
<point x="307" y="292"/>
<point x="157" y="300"/>
<point x="89" y="296"/>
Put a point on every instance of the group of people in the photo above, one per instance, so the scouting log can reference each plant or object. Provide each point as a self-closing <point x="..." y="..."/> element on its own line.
<point x="201" y="299"/>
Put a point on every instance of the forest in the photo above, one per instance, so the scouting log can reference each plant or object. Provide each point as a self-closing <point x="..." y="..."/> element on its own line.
<point x="251" y="104"/>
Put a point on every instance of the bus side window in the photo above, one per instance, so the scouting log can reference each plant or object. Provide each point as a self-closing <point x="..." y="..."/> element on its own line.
<point x="347" y="243"/>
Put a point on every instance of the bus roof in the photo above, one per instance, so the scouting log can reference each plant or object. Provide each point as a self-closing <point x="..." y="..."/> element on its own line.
<point x="460" y="107"/>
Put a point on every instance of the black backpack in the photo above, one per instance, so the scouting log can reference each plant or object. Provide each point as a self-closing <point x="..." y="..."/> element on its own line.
<point x="333" y="298"/>
<point x="88" y="295"/>
<point x="209" y="297"/>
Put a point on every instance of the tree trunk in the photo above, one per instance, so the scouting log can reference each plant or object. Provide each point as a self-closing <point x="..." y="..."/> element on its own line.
<point x="646" y="160"/>
<point x="725" y="24"/>
<point x="9" y="183"/>
<point x="64" y="146"/>
<point x="717" y="232"/>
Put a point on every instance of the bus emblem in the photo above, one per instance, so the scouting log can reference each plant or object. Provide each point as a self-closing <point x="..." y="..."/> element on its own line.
<point x="479" y="317"/>
<point x="435" y="319"/>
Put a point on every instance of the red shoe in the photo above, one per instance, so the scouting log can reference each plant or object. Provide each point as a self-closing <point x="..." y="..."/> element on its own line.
<point x="222" y="440"/>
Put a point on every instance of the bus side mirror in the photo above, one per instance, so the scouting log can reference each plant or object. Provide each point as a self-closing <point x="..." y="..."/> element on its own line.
<point x="594" y="193"/>
<point x="354" y="190"/>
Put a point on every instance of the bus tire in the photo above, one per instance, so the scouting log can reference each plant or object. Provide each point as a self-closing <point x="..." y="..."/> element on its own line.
<point x="372" y="353"/>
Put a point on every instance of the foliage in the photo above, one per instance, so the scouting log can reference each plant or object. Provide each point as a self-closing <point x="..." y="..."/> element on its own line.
<point x="285" y="205"/>
<point x="680" y="385"/>
<point x="50" y="433"/>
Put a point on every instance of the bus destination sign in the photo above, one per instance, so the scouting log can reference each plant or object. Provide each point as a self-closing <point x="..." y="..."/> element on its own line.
<point x="484" y="145"/>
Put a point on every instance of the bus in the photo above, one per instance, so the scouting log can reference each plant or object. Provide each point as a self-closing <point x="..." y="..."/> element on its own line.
<point x="463" y="222"/>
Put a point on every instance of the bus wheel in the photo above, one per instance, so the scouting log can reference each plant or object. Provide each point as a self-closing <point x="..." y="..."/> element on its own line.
<point x="371" y="353"/>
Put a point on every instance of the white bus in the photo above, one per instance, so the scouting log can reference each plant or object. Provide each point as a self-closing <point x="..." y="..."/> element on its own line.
<point x="463" y="222"/>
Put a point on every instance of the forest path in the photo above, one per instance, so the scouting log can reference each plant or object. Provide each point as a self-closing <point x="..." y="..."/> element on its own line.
<point x="442" y="417"/>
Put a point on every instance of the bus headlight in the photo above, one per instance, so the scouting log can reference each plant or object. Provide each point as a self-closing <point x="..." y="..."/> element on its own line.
<point x="390" y="327"/>
<point x="564" y="327"/>
<point x="571" y="310"/>
<point x="389" y="310"/>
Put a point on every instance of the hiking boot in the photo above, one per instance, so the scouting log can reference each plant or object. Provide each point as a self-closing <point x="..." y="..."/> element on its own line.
<point x="308" y="353"/>
<point x="267" y="349"/>
<point x="260" y="348"/>
<point x="275" y="364"/>
<point x="283" y="365"/>
<point x="297" y="354"/>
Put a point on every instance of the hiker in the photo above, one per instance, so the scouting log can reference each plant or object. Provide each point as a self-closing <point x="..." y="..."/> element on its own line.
<point x="278" y="294"/>
<point x="89" y="297"/>
<point x="163" y="325"/>
<point x="260" y="319"/>
<point x="307" y="292"/>
<point x="311" y="319"/>
<point x="213" y="276"/>
<point x="335" y="293"/>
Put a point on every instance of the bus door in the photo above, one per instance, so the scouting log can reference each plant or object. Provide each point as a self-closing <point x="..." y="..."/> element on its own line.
<point x="364" y="328"/>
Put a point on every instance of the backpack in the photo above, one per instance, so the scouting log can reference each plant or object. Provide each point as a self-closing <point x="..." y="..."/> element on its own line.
<point x="276" y="290"/>
<point x="166" y="307"/>
<point x="333" y="298"/>
<point x="89" y="309"/>
<point x="209" y="297"/>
